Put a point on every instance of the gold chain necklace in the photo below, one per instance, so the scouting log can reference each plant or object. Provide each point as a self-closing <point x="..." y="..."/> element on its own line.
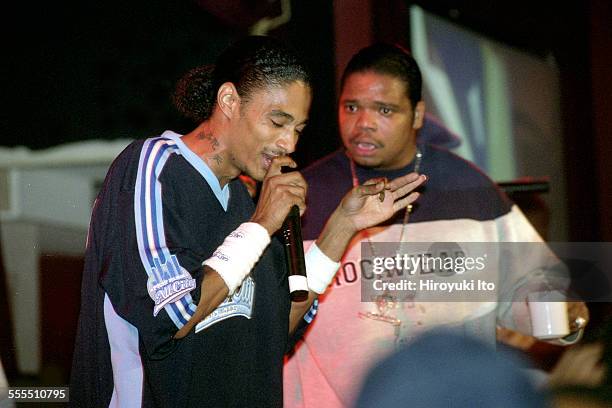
<point x="386" y="302"/>
<point x="407" y="211"/>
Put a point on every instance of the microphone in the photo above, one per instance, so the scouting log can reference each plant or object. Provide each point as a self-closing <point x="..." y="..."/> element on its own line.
<point x="291" y="236"/>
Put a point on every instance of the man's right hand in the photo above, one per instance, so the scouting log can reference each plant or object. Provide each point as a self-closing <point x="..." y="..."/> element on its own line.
<point x="279" y="192"/>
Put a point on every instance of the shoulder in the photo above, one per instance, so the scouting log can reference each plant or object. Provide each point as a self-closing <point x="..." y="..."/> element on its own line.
<point x="142" y="160"/>
<point x="143" y="153"/>
<point x="457" y="188"/>
<point x="156" y="150"/>
<point x="128" y="156"/>
<point x="447" y="165"/>
<point x="161" y="156"/>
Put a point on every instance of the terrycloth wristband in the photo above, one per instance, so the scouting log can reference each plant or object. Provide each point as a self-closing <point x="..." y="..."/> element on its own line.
<point x="240" y="251"/>
<point x="320" y="270"/>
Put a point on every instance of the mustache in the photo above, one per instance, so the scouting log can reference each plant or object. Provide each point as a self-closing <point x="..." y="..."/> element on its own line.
<point x="274" y="153"/>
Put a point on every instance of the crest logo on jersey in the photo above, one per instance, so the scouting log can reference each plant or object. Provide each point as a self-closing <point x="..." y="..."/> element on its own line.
<point x="168" y="283"/>
<point x="240" y="304"/>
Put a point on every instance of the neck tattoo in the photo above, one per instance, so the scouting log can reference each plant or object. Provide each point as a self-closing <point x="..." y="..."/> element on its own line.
<point x="208" y="136"/>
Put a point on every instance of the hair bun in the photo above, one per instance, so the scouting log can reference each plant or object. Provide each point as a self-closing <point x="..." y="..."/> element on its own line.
<point x="193" y="93"/>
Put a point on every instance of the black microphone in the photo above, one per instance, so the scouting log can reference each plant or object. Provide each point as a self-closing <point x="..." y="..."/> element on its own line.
<point x="291" y="236"/>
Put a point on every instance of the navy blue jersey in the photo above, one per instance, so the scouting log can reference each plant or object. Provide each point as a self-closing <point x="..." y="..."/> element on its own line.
<point x="155" y="221"/>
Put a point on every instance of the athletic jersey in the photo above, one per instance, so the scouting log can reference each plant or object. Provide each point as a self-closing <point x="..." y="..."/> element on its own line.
<point x="155" y="221"/>
<point x="458" y="203"/>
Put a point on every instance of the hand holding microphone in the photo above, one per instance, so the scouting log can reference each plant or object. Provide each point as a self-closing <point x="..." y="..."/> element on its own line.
<point x="281" y="202"/>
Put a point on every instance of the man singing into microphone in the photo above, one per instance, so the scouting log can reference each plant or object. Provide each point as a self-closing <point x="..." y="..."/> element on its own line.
<point x="185" y="298"/>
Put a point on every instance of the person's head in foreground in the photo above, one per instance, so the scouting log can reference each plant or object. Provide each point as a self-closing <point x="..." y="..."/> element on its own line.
<point x="442" y="369"/>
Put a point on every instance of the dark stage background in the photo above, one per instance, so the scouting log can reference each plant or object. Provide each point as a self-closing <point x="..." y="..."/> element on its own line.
<point x="84" y="70"/>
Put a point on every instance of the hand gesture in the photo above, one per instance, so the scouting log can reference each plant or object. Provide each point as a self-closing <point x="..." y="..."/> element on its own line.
<point x="279" y="192"/>
<point x="377" y="200"/>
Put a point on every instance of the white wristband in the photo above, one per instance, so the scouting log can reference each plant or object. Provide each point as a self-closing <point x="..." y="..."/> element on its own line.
<point x="320" y="270"/>
<point x="240" y="251"/>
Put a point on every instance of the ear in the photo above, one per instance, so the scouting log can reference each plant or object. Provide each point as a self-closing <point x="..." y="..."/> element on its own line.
<point x="419" y="115"/>
<point x="228" y="99"/>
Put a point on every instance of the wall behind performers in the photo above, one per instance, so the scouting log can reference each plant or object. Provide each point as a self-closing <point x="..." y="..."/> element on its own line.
<point x="100" y="69"/>
<point x="106" y="69"/>
<point x="575" y="34"/>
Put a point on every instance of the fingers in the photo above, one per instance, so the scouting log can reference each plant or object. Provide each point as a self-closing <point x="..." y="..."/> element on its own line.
<point x="295" y="195"/>
<point x="402" y="187"/>
<point x="279" y="192"/>
<point x="292" y="181"/>
<point x="278" y="163"/>
<point x="404" y="180"/>
<point x="399" y="187"/>
<point x="371" y="187"/>
<point x="375" y="180"/>
<point x="577" y="309"/>
<point x="406" y="201"/>
<point x="275" y="177"/>
<point x="287" y="190"/>
<point x="275" y="202"/>
<point x="578" y="315"/>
